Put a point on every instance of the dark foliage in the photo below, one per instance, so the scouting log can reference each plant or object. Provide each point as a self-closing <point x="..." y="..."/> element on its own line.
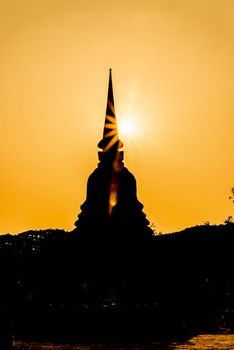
<point x="62" y="284"/>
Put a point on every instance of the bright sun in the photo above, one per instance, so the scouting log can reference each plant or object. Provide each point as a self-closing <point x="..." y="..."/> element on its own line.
<point x="127" y="127"/>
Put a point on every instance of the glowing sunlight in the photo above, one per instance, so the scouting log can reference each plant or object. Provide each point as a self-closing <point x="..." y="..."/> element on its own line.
<point x="127" y="127"/>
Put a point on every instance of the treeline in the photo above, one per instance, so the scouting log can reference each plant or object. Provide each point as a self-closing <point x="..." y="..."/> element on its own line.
<point x="65" y="283"/>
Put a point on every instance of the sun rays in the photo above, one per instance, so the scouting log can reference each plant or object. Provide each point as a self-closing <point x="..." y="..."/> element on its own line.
<point x="127" y="127"/>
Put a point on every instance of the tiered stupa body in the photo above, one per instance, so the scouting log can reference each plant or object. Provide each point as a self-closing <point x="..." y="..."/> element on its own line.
<point x="111" y="202"/>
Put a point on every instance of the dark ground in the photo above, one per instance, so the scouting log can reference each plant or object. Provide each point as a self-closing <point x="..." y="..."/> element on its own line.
<point x="57" y="285"/>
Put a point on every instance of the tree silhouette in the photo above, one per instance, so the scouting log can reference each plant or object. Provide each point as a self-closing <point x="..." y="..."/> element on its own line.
<point x="232" y="195"/>
<point x="229" y="220"/>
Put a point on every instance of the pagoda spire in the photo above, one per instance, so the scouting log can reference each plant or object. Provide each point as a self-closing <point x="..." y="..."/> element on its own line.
<point x="111" y="204"/>
<point x="110" y="143"/>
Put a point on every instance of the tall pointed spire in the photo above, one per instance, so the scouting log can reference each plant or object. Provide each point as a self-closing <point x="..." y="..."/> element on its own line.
<point x="111" y="205"/>
<point x="110" y="140"/>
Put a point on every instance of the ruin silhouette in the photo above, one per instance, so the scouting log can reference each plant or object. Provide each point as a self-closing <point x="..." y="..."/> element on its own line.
<point x="110" y="279"/>
<point x="111" y="203"/>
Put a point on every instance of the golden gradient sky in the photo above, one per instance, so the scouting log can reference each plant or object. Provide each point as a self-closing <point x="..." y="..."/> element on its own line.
<point x="173" y="69"/>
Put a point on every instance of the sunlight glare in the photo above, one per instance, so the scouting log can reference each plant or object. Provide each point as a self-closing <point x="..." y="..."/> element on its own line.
<point x="127" y="127"/>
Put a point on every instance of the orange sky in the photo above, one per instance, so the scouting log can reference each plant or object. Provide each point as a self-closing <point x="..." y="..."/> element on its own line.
<point x="173" y="68"/>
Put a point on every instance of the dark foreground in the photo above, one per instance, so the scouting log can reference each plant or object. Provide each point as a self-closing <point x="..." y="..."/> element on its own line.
<point x="59" y="287"/>
<point x="199" y="342"/>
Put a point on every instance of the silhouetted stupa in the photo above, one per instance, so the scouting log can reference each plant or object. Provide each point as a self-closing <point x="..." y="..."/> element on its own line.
<point x="111" y="203"/>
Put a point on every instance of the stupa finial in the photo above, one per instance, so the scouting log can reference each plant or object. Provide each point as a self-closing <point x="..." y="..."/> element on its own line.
<point x="110" y="143"/>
